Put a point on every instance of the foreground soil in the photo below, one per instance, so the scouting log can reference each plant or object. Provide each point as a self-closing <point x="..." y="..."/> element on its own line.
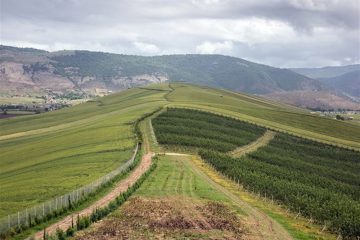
<point x="121" y="187"/>
<point x="168" y="218"/>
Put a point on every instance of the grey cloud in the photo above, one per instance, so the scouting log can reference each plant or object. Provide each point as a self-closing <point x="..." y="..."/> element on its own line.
<point x="310" y="32"/>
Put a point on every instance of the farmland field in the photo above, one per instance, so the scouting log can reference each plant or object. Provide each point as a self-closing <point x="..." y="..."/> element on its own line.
<point x="198" y="129"/>
<point x="178" y="202"/>
<point x="317" y="180"/>
<point x="47" y="155"/>
<point x="64" y="155"/>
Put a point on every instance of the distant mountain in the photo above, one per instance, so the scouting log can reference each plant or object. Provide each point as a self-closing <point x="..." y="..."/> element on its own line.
<point x="344" y="80"/>
<point x="319" y="100"/>
<point x="326" y="72"/>
<point x="32" y="71"/>
<point x="348" y="83"/>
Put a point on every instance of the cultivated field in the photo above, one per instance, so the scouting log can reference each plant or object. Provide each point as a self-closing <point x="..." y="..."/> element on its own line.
<point x="313" y="179"/>
<point x="46" y="155"/>
<point x="52" y="154"/>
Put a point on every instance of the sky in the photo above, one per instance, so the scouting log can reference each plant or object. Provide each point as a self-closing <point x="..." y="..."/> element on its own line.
<point x="282" y="33"/>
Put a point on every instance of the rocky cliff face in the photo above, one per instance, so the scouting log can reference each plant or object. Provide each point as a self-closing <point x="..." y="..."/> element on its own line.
<point x="37" y="73"/>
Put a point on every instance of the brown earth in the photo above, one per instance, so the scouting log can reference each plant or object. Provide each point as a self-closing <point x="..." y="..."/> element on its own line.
<point x="121" y="187"/>
<point x="314" y="99"/>
<point x="168" y="218"/>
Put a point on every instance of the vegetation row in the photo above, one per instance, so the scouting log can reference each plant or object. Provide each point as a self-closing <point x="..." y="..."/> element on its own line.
<point x="203" y="130"/>
<point x="83" y="222"/>
<point x="316" y="180"/>
<point x="18" y="223"/>
<point x="312" y="179"/>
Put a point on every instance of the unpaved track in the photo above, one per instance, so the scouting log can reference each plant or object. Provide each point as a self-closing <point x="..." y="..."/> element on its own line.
<point x="259" y="225"/>
<point x="260" y="142"/>
<point x="121" y="187"/>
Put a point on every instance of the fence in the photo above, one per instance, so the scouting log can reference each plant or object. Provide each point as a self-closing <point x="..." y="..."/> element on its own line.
<point x="41" y="211"/>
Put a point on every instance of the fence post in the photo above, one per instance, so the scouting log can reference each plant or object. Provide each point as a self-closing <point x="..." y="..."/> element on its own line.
<point x="43" y="209"/>
<point x="19" y="219"/>
<point x="9" y="221"/>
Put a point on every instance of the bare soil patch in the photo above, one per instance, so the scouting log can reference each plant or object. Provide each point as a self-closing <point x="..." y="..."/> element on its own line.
<point x="169" y="218"/>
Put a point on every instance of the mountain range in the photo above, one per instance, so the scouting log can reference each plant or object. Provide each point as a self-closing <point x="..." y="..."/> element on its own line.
<point x="342" y="79"/>
<point x="27" y="71"/>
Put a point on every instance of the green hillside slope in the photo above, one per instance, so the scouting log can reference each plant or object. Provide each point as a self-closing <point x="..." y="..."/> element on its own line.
<point x="49" y="154"/>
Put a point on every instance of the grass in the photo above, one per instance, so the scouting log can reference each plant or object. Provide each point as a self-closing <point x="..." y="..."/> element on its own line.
<point x="174" y="176"/>
<point x="299" y="228"/>
<point x="20" y="100"/>
<point x="266" y="113"/>
<point x="64" y="155"/>
<point x="45" y="155"/>
<point x="314" y="178"/>
<point x="92" y="198"/>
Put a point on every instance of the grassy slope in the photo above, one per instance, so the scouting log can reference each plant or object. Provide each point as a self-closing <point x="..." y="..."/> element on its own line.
<point x="179" y="176"/>
<point x="90" y="139"/>
<point x="83" y="144"/>
<point x="266" y="113"/>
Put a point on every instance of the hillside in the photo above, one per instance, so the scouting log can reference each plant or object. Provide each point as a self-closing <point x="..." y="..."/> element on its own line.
<point x="36" y="72"/>
<point x="344" y="80"/>
<point x="92" y="139"/>
<point x="347" y="82"/>
<point x="326" y="72"/>
<point x="86" y="70"/>
<point x="318" y="99"/>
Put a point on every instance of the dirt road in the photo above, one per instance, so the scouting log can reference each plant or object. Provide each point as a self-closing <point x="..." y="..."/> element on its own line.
<point x="260" y="142"/>
<point x="259" y="225"/>
<point x="121" y="187"/>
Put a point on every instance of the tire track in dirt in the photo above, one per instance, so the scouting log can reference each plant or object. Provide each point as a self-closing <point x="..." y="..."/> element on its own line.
<point x="121" y="187"/>
<point x="253" y="146"/>
<point x="260" y="226"/>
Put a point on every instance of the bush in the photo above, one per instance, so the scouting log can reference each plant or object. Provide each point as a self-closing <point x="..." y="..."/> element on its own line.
<point x="70" y="232"/>
<point x="60" y="234"/>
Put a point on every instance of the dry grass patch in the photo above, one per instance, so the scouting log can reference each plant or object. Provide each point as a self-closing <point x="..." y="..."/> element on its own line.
<point x="169" y="218"/>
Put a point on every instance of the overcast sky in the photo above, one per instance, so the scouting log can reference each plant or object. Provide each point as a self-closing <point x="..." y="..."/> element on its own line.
<point x="283" y="33"/>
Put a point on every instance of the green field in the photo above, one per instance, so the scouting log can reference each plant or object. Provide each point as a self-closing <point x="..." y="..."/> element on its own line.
<point x="198" y="129"/>
<point x="173" y="203"/>
<point x="317" y="180"/>
<point x="45" y="155"/>
<point x="75" y="147"/>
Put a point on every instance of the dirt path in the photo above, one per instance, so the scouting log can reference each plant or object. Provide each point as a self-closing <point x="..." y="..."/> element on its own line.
<point x="260" y="142"/>
<point x="176" y="154"/>
<point x="121" y="187"/>
<point x="259" y="225"/>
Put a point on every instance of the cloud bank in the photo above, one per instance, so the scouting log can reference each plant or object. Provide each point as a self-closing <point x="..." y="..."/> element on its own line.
<point x="284" y="33"/>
